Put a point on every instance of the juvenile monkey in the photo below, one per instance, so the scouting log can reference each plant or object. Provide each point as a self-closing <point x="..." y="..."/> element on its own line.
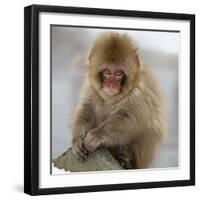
<point x="121" y="106"/>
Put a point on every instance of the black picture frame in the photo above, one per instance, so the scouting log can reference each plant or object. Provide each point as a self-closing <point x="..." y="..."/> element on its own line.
<point x="31" y="98"/>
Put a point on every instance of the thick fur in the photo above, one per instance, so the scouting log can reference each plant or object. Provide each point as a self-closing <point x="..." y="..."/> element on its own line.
<point x="130" y="124"/>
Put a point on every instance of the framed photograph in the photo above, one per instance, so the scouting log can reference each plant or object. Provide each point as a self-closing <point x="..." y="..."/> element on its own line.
<point x="109" y="99"/>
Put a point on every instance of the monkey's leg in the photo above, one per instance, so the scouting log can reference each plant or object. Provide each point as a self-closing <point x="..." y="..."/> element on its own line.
<point x="123" y="155"/>
<point x="143" y="152"/>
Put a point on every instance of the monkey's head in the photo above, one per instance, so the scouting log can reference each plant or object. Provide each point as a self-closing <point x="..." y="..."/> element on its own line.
<point x="113" y="65"/>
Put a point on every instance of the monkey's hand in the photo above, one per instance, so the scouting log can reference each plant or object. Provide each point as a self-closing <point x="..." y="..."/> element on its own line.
<point x="78" y="148"/>
<point x="92" y="140"/>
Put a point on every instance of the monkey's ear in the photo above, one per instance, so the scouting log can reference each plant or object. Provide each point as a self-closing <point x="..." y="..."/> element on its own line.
<point x="138" y="55"/>
<point x="90" y="56"/>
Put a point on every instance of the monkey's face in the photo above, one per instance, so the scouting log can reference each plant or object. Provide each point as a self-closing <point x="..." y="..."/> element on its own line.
<point x="113" y="66"/>
<point x="112" y="77"/>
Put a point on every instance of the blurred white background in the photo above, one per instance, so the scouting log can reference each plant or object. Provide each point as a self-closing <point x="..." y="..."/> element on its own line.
<point x="70" y="48"/>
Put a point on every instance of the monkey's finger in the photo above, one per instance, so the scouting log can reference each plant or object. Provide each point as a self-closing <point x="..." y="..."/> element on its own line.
<point x="80" y="146"/>
<point x="84" y="150"/>
<point x="89" y="145"/>
<point x="78" y="152"/>
<point x="86" y="145"/>
<point x="80" y="155"/>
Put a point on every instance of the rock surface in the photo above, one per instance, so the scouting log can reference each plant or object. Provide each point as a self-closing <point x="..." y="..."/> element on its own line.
<point x="101" y="159"/>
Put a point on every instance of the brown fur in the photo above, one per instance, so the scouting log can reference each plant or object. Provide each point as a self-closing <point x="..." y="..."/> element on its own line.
<point x="130" y="124"/>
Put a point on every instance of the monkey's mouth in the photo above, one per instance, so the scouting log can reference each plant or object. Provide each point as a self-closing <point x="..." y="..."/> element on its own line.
<point x="111" y="88"/>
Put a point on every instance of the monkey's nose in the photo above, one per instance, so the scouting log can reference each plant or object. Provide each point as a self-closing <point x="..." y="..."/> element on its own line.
<point x="111" y="85"/>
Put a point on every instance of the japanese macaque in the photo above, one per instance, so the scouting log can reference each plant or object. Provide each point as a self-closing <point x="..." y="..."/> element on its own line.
<point x="121" y="106"/>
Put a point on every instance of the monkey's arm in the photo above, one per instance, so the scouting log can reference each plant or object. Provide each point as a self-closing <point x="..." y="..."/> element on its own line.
<point x="83" y="120"/>
<point x="117" y="129"/>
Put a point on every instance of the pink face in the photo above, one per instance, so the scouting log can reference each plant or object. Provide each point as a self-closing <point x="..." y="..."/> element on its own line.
<point x="112" y="80"/>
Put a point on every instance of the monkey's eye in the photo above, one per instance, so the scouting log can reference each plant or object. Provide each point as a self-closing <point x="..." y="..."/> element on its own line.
<point x="107" y="72"/>
<point x="119" y="73"/>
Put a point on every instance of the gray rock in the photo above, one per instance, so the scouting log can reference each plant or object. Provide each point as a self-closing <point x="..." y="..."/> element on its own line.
<point x="101" y="159"/>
